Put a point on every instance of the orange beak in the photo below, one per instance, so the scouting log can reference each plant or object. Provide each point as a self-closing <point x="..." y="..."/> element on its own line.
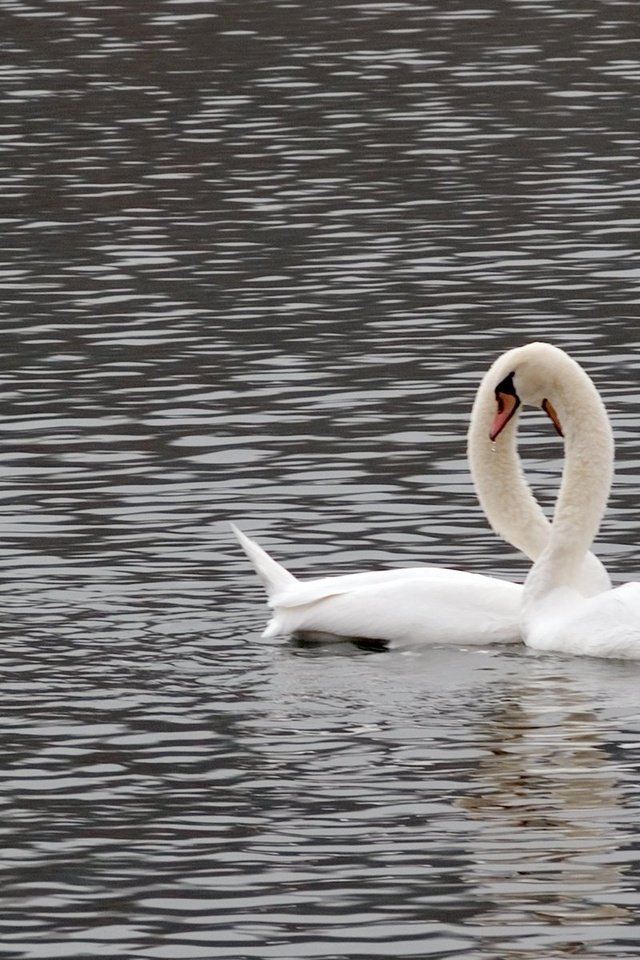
<point x="507" y="406"/>
<point x="553" y="416"/>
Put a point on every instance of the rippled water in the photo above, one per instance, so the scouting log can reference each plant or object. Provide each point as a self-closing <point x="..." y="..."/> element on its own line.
<point x="255" y="258"/>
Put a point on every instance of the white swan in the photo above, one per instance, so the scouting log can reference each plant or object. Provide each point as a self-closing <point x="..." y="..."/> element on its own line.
<point x="429" y="604"/>
<point x="555" y="616"/>
<point x="397" y="606"/>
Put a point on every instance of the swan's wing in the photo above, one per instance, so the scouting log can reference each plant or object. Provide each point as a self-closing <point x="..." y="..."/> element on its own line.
<point x="410" y="607"/>
<point x="308" y="591"/>
<point x="607" y="625"/>
<point x="405" y="605"/>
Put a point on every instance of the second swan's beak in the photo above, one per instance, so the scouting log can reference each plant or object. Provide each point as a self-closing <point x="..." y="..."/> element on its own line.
<point x="549" y="409"/>
<point x="508" y="403"/>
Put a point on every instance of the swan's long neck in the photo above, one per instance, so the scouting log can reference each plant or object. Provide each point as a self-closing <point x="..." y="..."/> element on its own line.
<point x="586" y="482"/>
<point x="501" y="487"/>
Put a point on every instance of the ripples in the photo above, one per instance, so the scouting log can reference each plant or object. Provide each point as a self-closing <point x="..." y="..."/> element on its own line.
<point x="256" y="258"/>
<point x="219" y="813"/>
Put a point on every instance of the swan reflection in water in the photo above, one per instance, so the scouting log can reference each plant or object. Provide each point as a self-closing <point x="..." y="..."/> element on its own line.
<point x="548" y="814"/>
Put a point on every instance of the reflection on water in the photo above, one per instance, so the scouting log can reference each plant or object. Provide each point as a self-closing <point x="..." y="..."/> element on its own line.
<point x="549" y="841"/>
<point x="255" y="259"/>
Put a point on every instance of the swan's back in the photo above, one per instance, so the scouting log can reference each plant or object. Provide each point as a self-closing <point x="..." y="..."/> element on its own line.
<point x="423" y="605"/>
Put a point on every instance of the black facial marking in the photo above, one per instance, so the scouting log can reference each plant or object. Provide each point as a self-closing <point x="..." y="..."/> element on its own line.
<point x="506" y="386"/>
<point x="506" y="389"/>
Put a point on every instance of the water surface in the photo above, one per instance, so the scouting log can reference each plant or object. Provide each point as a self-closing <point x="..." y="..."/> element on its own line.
<point x="256" y="258"/>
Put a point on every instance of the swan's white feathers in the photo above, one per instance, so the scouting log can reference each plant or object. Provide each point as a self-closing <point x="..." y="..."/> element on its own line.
<point x="402" y="607"/>
<point x="309" y="591"/>
<point x="607" y="625"/>
<point x="496" y="468"/>
<point x="555" y="615"/>
<point x="273" y="575"/>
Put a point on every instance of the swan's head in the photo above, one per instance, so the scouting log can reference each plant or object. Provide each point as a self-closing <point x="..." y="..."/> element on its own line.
<point x="537" y="375"/>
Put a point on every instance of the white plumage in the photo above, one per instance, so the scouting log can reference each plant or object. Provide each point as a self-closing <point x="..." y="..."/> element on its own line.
<point x="555" y="615"/>
<point x="430" y="604"/>
<point x="398" y="606"/>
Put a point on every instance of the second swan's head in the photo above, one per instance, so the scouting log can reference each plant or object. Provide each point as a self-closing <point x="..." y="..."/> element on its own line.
<point x="538" y="375"/>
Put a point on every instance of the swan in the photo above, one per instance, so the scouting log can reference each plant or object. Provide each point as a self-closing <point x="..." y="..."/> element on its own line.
<point x="410" y="605"/>
<point x="429" y="604"/>
<point x="555" y="615"/>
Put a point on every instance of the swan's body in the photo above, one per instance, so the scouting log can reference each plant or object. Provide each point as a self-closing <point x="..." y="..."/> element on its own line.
<point x="607" y="625"/>
<point x="555" y="616"/>
<point x="430" y="604"/>
<point x="398" y="606"/>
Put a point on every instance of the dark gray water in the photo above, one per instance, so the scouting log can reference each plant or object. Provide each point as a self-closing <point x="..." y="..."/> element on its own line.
<point x="255" y="258"/>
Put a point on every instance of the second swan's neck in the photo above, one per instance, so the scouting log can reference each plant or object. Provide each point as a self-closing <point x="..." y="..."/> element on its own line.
<point x="586" y="482"/>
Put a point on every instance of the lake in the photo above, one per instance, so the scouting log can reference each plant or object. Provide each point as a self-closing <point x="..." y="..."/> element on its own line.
<point x="256" y="257"/>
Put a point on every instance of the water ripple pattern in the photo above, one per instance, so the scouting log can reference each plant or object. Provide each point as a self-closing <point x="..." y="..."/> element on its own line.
<point x="255" y="257"/>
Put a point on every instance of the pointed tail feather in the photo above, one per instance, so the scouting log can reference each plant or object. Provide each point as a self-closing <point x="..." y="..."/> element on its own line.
<point x="273" y="576"/>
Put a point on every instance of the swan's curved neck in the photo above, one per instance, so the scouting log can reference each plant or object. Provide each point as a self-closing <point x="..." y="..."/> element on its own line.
<point x="500" y="484"/>
<point x="586" y="482"/>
